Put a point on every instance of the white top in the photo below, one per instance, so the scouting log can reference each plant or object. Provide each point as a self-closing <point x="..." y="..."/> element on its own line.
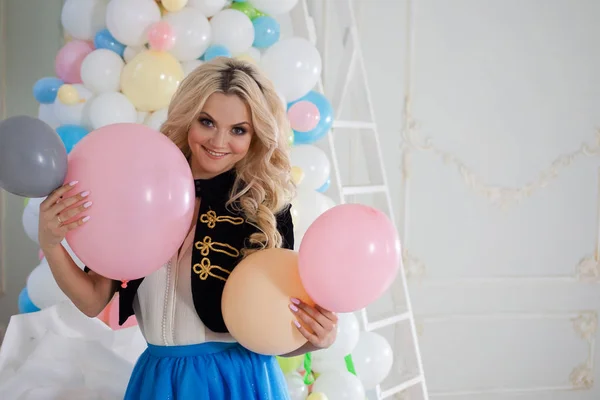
<point x="164" y="307"/>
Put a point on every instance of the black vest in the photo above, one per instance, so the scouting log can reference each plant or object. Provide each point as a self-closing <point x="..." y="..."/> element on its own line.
<point x="220" y="235"/>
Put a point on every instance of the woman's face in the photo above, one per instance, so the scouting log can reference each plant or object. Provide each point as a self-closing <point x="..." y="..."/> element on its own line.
<point x="221" y="135"/>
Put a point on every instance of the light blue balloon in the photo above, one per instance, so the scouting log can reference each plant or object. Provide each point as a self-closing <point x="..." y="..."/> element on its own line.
<point x="215" y="51"/>
<point x="46" y="89"/>
<point x="325" y="120"/>
<point x="25" y="304"/>
<point x="266" y="32"/>
<point x="105" y="40"/>
<point x="71" y="135"/>
<point x="325" y="186"/>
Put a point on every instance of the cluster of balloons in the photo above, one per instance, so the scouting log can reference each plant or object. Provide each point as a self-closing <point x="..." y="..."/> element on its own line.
<point x="124" y="59"/>
<point x="372" y="359"/>
<point x="343" y="275"/>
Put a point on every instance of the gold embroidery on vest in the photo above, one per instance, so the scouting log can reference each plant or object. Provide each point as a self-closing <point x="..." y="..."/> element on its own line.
<point x="210" y="218"/>
<point x="206" y="245"/>
<point x="205" y="269"/>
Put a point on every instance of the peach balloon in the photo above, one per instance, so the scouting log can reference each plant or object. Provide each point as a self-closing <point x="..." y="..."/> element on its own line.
<point x="256" y="302"/>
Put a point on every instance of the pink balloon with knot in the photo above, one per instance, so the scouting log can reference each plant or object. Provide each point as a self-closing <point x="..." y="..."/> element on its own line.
<point x="161" y="36"/>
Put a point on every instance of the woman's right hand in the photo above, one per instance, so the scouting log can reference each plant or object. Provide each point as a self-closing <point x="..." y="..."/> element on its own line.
<point x="60" y="213"/>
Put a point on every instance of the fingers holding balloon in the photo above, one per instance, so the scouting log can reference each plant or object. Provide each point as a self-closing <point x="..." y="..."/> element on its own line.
<point x="65" y="218"/>
<point x="318" y="327"/>
<point x="56" y="195"/>
<point x="65" y="208"/>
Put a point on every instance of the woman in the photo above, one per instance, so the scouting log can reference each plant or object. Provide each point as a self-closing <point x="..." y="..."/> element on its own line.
<point x="229" y="122"/>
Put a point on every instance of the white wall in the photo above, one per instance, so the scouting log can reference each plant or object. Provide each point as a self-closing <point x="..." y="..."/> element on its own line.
<point x="33" y="38"/>
<point x="502" y="206"/>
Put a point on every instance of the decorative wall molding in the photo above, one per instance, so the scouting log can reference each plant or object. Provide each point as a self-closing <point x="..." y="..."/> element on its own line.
<point x="585" y="325"/>
<point x="503" y="197"/>
<point x="586" y="271"/>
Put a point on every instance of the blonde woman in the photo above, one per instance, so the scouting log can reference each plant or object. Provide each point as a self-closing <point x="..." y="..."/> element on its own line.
<point x="230" y="124"/>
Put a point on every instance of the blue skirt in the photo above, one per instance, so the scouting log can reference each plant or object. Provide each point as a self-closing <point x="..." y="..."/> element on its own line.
<point x="215" y="371"/>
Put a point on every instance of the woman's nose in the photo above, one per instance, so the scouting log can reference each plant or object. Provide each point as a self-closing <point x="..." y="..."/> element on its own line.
<point x="219" y="140"/>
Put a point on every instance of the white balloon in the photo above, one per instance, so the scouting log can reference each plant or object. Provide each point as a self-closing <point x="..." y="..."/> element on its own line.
<point x="46" y="114"/>
<point x="294" y="65"/>
<point x="339" y="385"/>
<point x="189" y="66"/>
<point x="75" y="114"/>
<point x="324" y="363"/>
<point x="132" y="51"/>
<point x="111" y="108"/>
<point x="296" y="387"/>
<point x="83" y="18"/>
<point x="141" y="116"/>
<point x="232" y="29"/>
<point x="42" y="287"/>
<point x="208" y="7"/>
<point x="274" y="7"/>
<point x="157" y="118"/>
<point x="30" y="223"/>
<point x="101" y="71"/>
<point x="192" y="32"/>
<point x="373" y="359"/>
<point x="307" y="206"/>
<point x="128" y="20"/>
<point x="283" y="100"/>
<point x="314" y="163"/>
<point x="30" y="218"/>
<point x="348" y="332"/>
<point x="254" y="53"/>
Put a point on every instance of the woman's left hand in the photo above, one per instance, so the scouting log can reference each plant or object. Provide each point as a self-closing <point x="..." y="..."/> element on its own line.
<point x="321" y="322"/>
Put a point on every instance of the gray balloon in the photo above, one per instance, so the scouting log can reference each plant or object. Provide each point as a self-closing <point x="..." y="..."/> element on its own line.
<point x="33" y="158"/>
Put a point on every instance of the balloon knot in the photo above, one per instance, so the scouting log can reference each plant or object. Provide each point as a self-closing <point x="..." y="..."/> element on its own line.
<point x="124" y="284"/>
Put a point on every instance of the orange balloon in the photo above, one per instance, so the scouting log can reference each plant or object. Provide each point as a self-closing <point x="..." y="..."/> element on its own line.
<point x="256" y="301"/>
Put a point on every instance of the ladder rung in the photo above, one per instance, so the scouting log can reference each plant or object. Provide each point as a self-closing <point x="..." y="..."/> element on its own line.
<point x="382" y="323"/>
<point x="355" y="125"/>
<point x="363" y="189"/>
<point x="401" y="387"/>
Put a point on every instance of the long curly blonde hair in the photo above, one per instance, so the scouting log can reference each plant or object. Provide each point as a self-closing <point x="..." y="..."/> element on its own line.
<point x="263" y="186"/>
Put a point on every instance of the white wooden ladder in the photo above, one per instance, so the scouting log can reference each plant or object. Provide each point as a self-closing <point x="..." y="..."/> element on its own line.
<point x="360" y="136"/>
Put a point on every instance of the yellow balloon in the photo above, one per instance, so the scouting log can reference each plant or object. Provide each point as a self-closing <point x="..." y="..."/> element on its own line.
<point x="174" y="5"/>
<point x="67" y="94"/>
<point x="163" y="10"/>
<point x="150" y="79"/>
<point x="317" y="396"/>
<point x="297" y="175"/>
<point x="290" y="364"/>
<point x="26" y="201"/>
<point x="247" y="58"/>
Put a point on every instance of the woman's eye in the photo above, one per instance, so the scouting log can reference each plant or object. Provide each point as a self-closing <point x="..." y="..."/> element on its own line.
<point x="238" y="131"/>
<point x="206" y="122"/>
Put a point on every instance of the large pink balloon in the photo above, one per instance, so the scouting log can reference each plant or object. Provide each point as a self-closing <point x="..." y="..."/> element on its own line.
<point x="69" y="58"/>
<point x="349" y="257"/>
<point x="143" y="196"/>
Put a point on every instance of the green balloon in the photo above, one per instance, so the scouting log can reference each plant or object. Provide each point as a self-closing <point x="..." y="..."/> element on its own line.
<point x="26" y="201"/>
<point x="289" y="364"/>
<point x="247" y="9"/>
